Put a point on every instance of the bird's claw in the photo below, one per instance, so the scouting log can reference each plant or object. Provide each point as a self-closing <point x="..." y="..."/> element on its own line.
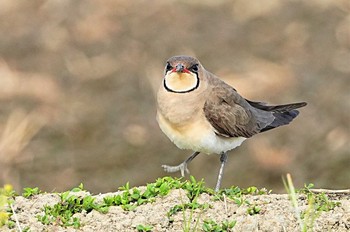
<point x="181" y="167"/>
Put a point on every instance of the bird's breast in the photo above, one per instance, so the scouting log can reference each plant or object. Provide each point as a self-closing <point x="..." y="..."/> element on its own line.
<point x="197" y="135"/>
<point x="181" y="118"/>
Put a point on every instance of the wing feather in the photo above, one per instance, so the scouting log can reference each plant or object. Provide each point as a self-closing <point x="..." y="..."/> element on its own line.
<point x="233" y="116"/>
<point x="229" y="113"/>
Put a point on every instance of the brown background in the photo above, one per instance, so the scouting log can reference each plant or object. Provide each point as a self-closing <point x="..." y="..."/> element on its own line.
<point x="78" y="81"/>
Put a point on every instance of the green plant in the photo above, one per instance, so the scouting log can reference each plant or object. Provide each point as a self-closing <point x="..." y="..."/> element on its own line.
<point x="4" y="215"/>
<point x="235" y="192"/>
<point x="182" y="207"/>
<point x="70" y="204"/>
<point x="187" y="219"/>
<point x="63" y="212"/>
<point x="78" y="189"/>
<point x="212" y="226"/>
<point x="29" y="192"/>
<point x="144" y="228"/>
<point x="237" y="195"/>
<point x="6" y="193"/>
<point x="321" y="201"/>
<point x="317" y="202"/>
<point x="253" y="209"/>
<point x="193" y="189"/>
<point x="130" y="198"/>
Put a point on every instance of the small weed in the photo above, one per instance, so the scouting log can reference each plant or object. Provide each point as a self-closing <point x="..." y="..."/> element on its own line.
<point x="130" y="198"/>
<point x="317" y="202"/>
<point x="253" y="209"/>
<point x="255" y="191"/>
<point x="62" y="212"/>
<point x="182" y="207"/>
<point x="320" y="200"/>
<point x="29" y="192"/>
<point x="187" y="219"/>
<point x="212" y="226"/>
<point x="144" y="228"/>
<point x="194" y="188"/>
<point x="233" y="193"/>
<point x="236" y="194"/>
<point x="6" y="193"/>
<point x="78" y="189"/>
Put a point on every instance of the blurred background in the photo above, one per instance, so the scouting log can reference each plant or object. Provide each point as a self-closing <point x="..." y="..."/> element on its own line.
<point x="78" y="81"/>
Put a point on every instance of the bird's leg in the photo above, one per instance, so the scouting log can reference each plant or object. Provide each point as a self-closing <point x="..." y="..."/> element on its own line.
<point x="181" y="167"/>
<point x="223" y="159"/>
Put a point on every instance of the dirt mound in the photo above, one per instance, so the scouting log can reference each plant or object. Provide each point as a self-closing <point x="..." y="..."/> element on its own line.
<point x="189" y="207"/>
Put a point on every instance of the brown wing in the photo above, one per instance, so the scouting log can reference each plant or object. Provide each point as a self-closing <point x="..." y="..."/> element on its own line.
<point x="229" y="113"/>
<point x="233" y="116"/>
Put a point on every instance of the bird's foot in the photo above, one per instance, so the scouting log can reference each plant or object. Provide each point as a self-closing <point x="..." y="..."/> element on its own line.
<point x="181" y="167"/>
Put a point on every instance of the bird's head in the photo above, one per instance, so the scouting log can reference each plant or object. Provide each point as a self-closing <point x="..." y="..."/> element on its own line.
<point x="182" y="74"/>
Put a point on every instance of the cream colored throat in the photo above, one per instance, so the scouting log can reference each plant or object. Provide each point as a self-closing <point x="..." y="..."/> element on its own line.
<point x="181" y="82"/>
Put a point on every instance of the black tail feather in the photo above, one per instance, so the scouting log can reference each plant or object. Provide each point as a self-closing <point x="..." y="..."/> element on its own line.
<point x="281" y="118"/>
<point x="283" y="114"/>
<point x="277" y="108"/>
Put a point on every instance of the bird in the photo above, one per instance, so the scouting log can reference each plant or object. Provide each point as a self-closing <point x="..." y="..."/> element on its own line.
<point x="198" y="111"/>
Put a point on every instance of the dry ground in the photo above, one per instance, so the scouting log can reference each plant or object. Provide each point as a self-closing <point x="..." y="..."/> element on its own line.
<point x="276" y="214"/>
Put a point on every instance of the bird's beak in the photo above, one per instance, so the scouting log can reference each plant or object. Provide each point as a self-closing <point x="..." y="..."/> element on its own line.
<point x="179" y="68"/>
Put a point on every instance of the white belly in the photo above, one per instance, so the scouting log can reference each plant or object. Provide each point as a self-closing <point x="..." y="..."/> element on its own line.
<point x="198" y="136"/>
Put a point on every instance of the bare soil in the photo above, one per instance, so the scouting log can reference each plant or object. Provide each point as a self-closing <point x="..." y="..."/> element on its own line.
<point x="276" y="214"/>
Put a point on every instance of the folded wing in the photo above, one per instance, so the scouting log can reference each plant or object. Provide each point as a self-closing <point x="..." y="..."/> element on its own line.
<point x="233" y="116"/>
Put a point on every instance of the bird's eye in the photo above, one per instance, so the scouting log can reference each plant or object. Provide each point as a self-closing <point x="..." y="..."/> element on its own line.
<point x="194" y="68"/>
<point x="168" y="67"/>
